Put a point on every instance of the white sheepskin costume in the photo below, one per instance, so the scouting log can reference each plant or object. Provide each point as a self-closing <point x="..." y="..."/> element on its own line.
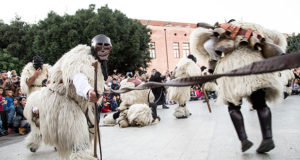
<point x="185" y="68"/>
<point x="27" y="72"/>
<point x="233" y="89"/>
<point x="34" y="138"/>
<point x="63" y="123"/>
<point x="285" y="77"/>
<point x="139" y="115"/>
<point x="136" y="96"/>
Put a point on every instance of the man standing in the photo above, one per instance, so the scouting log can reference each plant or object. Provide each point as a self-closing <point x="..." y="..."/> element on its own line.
<point x="159" y="93"/>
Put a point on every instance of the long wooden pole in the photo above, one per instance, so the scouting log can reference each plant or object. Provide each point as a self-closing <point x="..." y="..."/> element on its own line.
<point x="206" y="97"/>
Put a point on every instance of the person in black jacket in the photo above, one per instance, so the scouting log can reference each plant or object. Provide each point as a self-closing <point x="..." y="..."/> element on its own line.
<point x="159" y="93"/>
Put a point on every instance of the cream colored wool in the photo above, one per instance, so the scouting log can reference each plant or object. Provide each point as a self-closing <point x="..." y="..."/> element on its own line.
<point x="109" y="120"/>
<point x="140" y="115"/>
<point x="34" y="138"/>
<point x="210" y="86"/>
<point x="62" y="120"/>
<point x="181" y="111"/>
<point x="285" y="76"/>
<point x="233" y="89"/>
<point x="138" y="99"/>
<point x="136" y="96"/>
<point x="185" y="68"/>
<point x="27" y="72"/>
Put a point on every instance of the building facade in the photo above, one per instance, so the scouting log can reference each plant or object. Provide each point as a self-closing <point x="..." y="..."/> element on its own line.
<point x="170" y="41"/>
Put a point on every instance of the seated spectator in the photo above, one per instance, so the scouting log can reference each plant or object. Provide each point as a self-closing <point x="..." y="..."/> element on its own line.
<point x="194" y="97"/>
<point x="199" y="93"/>
<point x="105" y="105"/>
<point x="114" y="104"/>
<point x="9" y="108"/>
<point x="20" y="121"/>
<point x="296" y="87"/>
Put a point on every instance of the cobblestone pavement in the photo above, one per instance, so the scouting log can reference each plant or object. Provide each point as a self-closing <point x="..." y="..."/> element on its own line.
<point x="203" y="136"/>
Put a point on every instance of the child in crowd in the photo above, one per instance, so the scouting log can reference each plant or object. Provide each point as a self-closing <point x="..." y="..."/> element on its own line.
<point x="105" y="105"/>
<point x="194" y="96"/>
<point x="9" y="108"/>
<point x="114" y="104"/>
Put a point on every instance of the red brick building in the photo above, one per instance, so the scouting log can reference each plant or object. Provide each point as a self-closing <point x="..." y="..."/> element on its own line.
<point x="170" y="41"/>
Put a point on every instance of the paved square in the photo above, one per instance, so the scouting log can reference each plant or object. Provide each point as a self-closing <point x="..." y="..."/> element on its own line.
<point x="203" y="136"/>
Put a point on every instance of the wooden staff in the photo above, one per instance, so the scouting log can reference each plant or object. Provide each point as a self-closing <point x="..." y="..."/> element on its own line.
<point x="206" y="97"/>
<point x="96" y="122"/>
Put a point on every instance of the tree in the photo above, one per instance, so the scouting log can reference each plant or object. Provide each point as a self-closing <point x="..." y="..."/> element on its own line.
<point x="56" y="35"/>
<point x="293" y="43"/>
<point x="7" y="62"/>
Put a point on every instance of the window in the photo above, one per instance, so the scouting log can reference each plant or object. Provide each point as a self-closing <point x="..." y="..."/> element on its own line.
<point x="152" y="49"/>
<point x="185" y="49"/>
<point x="176" y="49"/>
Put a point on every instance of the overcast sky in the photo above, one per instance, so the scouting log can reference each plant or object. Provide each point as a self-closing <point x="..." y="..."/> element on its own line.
<point x="280" y="15"/>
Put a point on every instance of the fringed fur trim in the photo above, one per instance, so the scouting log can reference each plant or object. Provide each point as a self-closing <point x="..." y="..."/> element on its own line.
<point x="181" y="112"/>
<point x="27" y="72"/>
<point x="197" y="39"/>
<point x="185" y="68"/>
<point x="140" y="115"/>
<point x="233" y="89"/>
<point x="134" y="97"/>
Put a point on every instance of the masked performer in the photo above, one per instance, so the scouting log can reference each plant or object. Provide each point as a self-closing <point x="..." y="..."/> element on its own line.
<point x="186" y="67"/>
<point x="137" y="107"/>
<point x="66" y="103"/>
<point x="33" y="78"/>
<point x="233" y="45"/>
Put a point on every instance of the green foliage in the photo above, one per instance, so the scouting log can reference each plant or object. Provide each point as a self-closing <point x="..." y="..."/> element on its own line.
<point x="293" y="43"/>
<point x="55" y="35"/>
<point x="7" y="62"/>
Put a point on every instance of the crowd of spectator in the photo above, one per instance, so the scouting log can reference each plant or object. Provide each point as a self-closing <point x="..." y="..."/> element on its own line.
<point x="12" y="103"/>
<point x="296" y="84"/>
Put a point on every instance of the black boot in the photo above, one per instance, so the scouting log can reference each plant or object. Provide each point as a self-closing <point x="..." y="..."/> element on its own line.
<point x="265" y="120"/>
<point x="238" y="122"/>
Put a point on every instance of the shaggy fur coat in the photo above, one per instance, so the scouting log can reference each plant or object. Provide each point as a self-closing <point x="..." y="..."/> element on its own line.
<point x="233" y="89"/>
<point x="63" y="123"/>
<point x="135" y="110"/>
<point x="27" y="72"/>
<point x="185" y="68"/>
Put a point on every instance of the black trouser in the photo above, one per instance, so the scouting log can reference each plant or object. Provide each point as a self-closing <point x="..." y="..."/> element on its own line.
<point x="258" y="101"/>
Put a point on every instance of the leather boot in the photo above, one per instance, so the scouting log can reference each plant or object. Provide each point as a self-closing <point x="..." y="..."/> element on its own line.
<point x="238" y="122"/>
<point x="265" y="120"/>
